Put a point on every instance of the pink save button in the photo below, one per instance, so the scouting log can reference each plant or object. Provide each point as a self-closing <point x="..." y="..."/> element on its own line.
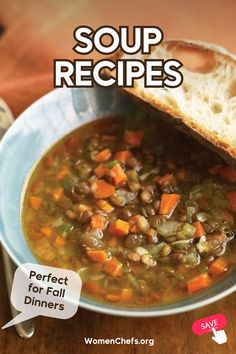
<point x="205" y="325"/>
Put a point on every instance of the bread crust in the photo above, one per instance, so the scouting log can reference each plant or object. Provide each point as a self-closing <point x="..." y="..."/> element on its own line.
<point x="174" y="116"/>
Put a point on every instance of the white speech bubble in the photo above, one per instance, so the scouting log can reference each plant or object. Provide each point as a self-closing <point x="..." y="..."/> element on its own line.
<point x="44" y="291"/>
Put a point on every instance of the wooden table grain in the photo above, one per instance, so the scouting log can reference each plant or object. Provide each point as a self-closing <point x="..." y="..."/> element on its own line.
<point x="32" y="33"/>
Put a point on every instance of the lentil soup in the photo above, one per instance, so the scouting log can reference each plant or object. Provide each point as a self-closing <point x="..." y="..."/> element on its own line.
<point x="143" y="214"/>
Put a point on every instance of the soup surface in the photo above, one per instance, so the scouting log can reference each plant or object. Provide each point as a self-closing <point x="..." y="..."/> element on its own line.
<point x="143" y="214"/>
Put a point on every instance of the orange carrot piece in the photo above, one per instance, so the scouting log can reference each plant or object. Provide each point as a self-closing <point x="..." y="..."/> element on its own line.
<point x="113" y="267"/>
<point x="63" y="172"/>
<point x="59" y="242"/>
<point x="231" y="196"/>
<point x="103" y="155"/>
<point x="228" y="173"/>
<point x="35" y="202"/>
<point x="134" y="137"/>
<point x="199" y="282"/>
<point x="100" y="170"/>
<point x="99" y="256"/>
<point x="168" y="203"/>
<point x="105" y="206"/>
<point x="91" y="287"/>
<point x="199" y="229"/>
<point x="133" y="224"/>
<point x="98" y="222"/>
<point x="219" y="266"/>
<point x="46" y="231"/>
<point x="118" y="175"/>
<point x="57" y="193"/>
<point x="102" y="189"/>
<point x="123" y="155"/>
<point x="119" y="228"/>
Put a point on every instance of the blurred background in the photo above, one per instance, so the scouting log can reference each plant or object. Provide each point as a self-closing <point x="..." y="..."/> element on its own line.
<point x="33" y="33"/>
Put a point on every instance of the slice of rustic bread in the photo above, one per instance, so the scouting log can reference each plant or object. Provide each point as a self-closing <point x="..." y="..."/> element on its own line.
<point x="205" y="103"/>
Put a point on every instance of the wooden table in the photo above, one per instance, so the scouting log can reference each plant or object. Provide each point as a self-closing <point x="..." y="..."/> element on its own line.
<point x="32" y="33"/>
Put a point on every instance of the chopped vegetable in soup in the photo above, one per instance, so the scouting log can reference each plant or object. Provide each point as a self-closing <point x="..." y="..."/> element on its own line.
<point x="141" y="212"/>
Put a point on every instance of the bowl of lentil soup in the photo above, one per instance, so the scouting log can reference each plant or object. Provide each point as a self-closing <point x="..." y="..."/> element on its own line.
<point x="145" y="215"/>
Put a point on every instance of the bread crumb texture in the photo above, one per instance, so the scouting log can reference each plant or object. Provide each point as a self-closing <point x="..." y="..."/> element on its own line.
<point x="207" y="97"/>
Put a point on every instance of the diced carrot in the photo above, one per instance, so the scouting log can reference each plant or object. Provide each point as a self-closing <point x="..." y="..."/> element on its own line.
<point x="99" y="256"/>
<point x="138" y="223"/>
<point x="168" y="203"/>
<point x="63" y="172"/>
<point x="133" y="224"/>
<point x="214" y="170"/>
<point x="57" y="193"/>
<point x="102" y="189"/>
<point x="100" y="170"/>
<point x="127" y="294"/>
<point x="167" y="179"/>
<point x="105" y="206"/>
<point x="199" y="282"/>
<point x="219" y="266"/>
<point x="228" y="173"/>
<point x="113" y="297"/>
<point x="35" y="202"/>
<point x="123" y="155"/>
<point x="48" y="161"/>
<point x="59" y="242"/>
<point x="231" y="196"/>
<point x="98" y="222"/>
<point x="134" y="137"/>
<point x="199" y="229"/>
<point x="103" y="155"/>
<point x="113" y="267"/>
<point x="46" y="231"/>
<point x="119" y="228"/>
<point x="134" y="228"/>
<point x="118" y="175"/>
<point x="112" y="242"/>
<point x="91" y="287"/>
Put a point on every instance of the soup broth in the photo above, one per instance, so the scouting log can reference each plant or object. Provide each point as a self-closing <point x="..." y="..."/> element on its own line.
<point x="142" y="213"/>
